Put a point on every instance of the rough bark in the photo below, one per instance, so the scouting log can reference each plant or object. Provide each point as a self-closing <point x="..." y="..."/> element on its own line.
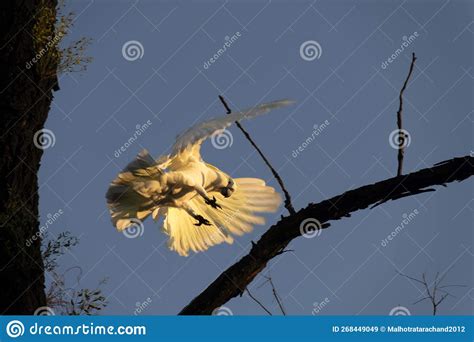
<point x="25" y="99"/>
<point x="236" y="278"/>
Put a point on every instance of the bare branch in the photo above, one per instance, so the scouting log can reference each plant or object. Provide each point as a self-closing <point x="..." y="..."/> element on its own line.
<point x="431" y="290"/>
<point x="233" y="281"/>
<point x="411" y="278"/>
<point x="441" y="300"/>
<point x="288" y="204"/>
<point x="420" y="300"/>
<point x="275" y="294"/>
<point x="258" y="302"/>
<point x="402" y="138"/>
<point x="451" y="286"/>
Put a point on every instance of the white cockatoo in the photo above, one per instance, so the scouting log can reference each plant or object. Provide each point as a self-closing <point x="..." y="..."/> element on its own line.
<point x="201" y="205"/>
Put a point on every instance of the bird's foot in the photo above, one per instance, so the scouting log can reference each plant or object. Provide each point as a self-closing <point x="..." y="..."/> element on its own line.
<point x="213" y="203"/>
<point x="201" y="221"/>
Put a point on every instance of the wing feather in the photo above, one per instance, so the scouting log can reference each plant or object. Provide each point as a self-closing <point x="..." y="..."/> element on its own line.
<point x="185" y="236"/>
<point x="128" y="194"/>
<point x="239" y="213"/>
<point x="192" y="138"/>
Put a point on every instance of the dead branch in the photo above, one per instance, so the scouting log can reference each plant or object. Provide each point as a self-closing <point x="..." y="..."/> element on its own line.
<point x="401" y="137"/>
<point x="432" y="290"/>
<point x="236" y="278"/>
<point x="259" y="303"/>
<point x="288" y="204"/>
<point x="277" y="297"/>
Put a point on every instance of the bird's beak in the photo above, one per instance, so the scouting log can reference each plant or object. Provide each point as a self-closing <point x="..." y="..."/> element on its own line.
<point x="227" y="192"/>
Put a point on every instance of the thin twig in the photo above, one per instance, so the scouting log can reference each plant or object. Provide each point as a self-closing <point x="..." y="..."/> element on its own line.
<point x="401" y="137"/>
<point x="288" y="204"/>
<point x="259" y="303"/>
<point x="432" y="289"/>
<point x="275" y="294"/>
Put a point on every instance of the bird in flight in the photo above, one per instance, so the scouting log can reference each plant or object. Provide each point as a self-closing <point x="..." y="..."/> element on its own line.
<point x="202" y="206"/>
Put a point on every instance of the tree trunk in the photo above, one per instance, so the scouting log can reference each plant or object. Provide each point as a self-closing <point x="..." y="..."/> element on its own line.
<point x="25" y="99"/>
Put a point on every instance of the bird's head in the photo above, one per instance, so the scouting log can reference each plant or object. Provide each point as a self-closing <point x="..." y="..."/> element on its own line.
<point x="229" y="189"/>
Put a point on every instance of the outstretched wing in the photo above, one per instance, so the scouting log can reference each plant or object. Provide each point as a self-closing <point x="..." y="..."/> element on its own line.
<point x="238" y="215"/>
<point x="127" y="196"/>
<point x="191" y="139"/>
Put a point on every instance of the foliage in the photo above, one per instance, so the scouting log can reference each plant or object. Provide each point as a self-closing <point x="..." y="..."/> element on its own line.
<point x="55" y="248"/>
<point x="87" y="302"/>
<point x="48" y="34"/>
<point x="69" y="300"/>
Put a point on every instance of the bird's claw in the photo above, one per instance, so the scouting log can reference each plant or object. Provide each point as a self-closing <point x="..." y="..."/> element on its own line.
<point x="201" y="221"/>
<point x="213" y="203"/>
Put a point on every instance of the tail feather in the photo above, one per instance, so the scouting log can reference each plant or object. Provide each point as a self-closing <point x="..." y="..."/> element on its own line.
<point x="238" y="215"/>
<point x="185" y="236"/>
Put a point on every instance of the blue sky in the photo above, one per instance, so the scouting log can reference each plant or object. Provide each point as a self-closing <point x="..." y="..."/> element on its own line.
<point x="346" y="267"/>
